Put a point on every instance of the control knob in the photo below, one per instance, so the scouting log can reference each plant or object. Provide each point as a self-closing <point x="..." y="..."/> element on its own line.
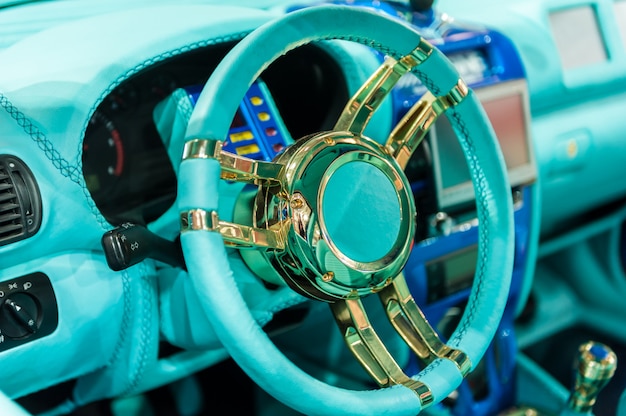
<point x="19" y="316"/>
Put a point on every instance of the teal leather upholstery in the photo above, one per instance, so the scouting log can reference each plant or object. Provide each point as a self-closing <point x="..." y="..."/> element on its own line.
<point x="214" y="278"/>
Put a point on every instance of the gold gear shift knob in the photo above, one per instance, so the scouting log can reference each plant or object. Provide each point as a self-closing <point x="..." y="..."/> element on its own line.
<point x="595" y="365"/>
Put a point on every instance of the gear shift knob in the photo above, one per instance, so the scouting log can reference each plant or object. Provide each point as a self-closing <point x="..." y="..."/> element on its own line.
<point x="595" y="366"/>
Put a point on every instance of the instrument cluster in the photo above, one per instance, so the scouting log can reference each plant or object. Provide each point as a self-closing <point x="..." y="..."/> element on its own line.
<point x="125" y="164"/>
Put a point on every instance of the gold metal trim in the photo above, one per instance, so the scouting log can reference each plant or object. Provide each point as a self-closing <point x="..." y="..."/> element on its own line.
<point x="202" y="149"/>
<point x="199" y="219"/>
<point x="369" y="350"/>
<point x="595" y="364"/>
<point x="409" y="321"/>
<point x="237" y="235"/>
<point x="418" y="55"/>
<point x="411" y="130"/>
<point x="365" y="102"/>
<point x="456" y="95"/>
<point x="234" y="167"/>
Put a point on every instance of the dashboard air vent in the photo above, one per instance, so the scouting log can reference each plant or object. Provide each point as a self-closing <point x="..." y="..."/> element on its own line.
<point x="20" y="201"/>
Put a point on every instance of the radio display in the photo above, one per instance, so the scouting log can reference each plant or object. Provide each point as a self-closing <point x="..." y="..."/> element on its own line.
<point x="451" y="274"/>
<point x="506" y="105"/>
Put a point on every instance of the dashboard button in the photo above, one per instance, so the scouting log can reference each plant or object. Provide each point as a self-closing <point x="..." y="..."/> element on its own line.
<point x="256" y="101"/>
<point x="19" y="315"/>
<point x="28" y="310"/>
<point x="241" y="136"/>
<point x="248" y="150"/>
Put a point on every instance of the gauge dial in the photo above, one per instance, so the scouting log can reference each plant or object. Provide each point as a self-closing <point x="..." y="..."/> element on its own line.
<point x="103" y="154"/>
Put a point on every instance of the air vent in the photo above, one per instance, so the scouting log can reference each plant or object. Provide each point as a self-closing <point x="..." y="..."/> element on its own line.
<point x="20" y="201"/>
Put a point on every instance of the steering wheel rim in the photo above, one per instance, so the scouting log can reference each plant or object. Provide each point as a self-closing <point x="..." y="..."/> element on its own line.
<point x="214" y="280"/>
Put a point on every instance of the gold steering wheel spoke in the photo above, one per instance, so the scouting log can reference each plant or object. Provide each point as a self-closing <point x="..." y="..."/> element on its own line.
<point x="234" y="167"/>
<point x="236" y="235"/>
<point x="367" y="99"/>
<point x="364" y="103"/>
<point x="416" y="123"/>
<point x="410" y="322"/>
<point x="239" y="169"/>
<point x="370" y="351"/>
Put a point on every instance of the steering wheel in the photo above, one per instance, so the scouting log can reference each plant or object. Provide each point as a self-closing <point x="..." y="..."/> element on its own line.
<point x="334" y="218"/>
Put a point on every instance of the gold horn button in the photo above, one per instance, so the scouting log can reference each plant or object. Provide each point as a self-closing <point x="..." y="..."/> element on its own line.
<point x="352" y="216"/>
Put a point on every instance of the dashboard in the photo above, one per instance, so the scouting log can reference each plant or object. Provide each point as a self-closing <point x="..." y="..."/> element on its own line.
<point x="199" y="200"/>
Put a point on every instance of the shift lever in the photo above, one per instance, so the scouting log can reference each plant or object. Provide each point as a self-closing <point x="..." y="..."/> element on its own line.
<point x="595" y="365"/>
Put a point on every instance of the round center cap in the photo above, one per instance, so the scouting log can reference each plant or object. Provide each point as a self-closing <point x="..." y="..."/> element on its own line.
<point x="361" y="210"/>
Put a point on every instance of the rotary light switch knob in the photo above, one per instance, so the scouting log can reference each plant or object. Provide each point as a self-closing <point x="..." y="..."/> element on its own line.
<point x="19" y="315"/>
<point x="595" y="366"/>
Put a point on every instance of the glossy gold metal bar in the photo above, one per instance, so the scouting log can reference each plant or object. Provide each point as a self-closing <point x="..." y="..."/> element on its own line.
<point x="359" y="109"/>
<point x="370" y="351"/>
<point x="236" y="235"/>
<point x="416" y="123"/>
<point x="411" y="130"/>
<point x="409" y="321"/>
<point x="234" y="167"/>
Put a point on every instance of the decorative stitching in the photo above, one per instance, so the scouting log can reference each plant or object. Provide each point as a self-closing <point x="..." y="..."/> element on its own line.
<point x="429" y="369"/>
<point x="427" y="81"/>
<point x="367" y="42"/>
<point x="423" y="77"/>
<point x="126" y="312"/>
<point x="72" y="172"/>
<point x="147" y="299"/>
<point x="40" y="138"/>
<point x="183" y="104"/>
<point x="483" y="219"/>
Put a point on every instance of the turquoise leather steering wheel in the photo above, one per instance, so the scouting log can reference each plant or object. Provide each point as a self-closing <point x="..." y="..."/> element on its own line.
<point x="204" y="236"/>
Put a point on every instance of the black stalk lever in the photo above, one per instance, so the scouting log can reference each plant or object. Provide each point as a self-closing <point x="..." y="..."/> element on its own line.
<point x="130" y="244"/>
